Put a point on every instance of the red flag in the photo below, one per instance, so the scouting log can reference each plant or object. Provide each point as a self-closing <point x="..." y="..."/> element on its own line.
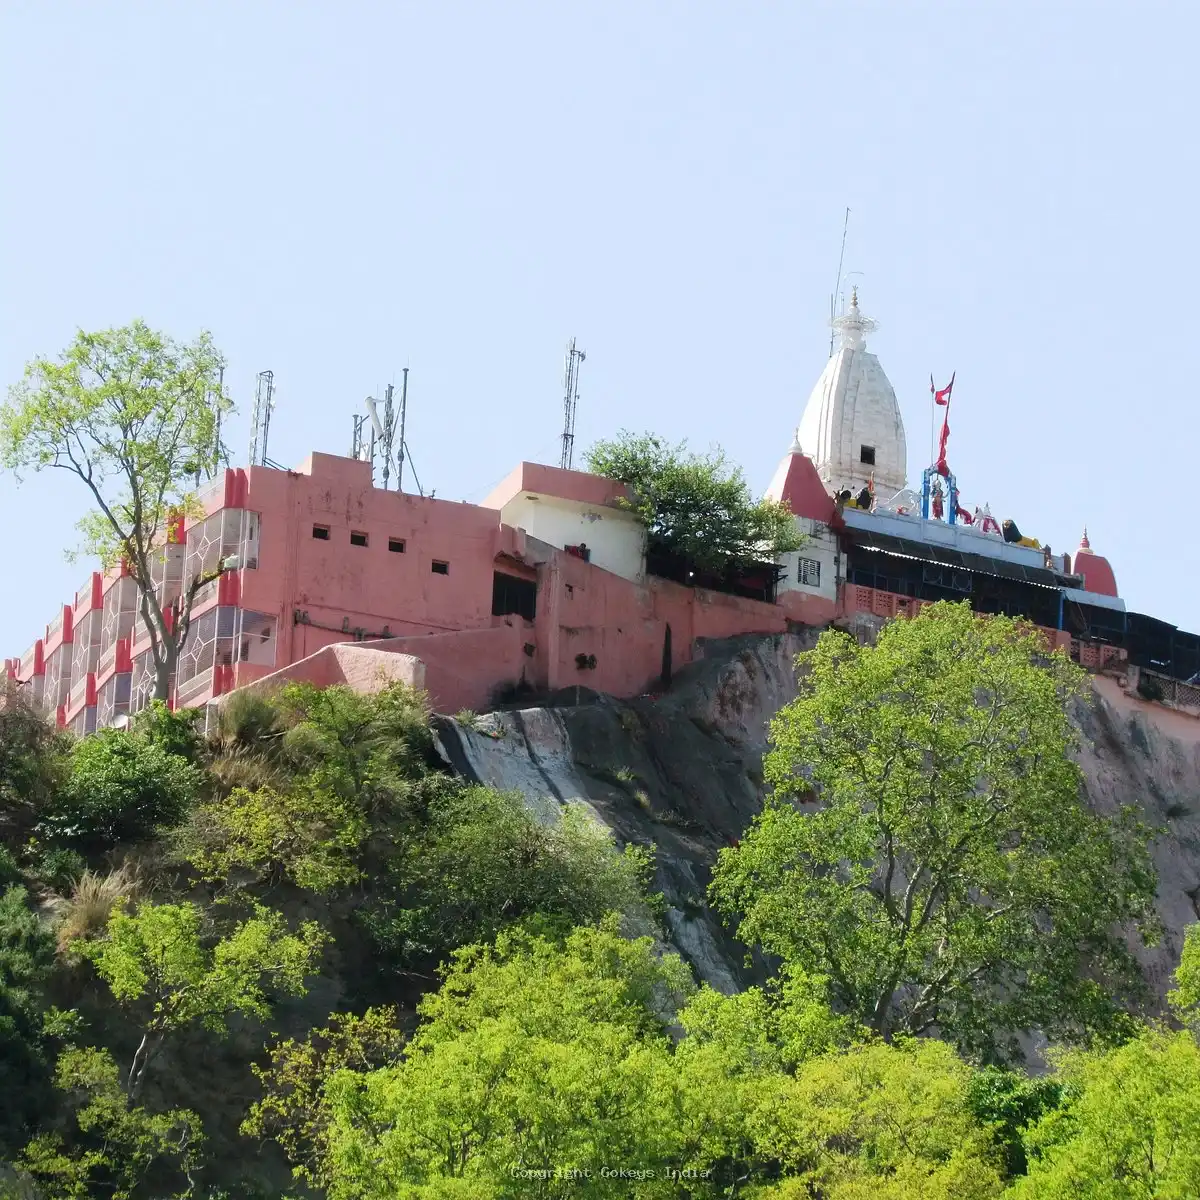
<point x="942" y="396"/>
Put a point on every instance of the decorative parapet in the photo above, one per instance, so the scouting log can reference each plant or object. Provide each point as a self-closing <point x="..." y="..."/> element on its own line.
<point x="1162" y="689"/>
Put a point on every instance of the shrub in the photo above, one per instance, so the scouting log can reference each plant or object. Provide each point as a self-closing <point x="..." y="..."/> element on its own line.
<point x="175" y="732"/>
<point x="60" y="868"/>
<point x="310" y="835"/>
<point x="32" y="763"/>
<point x="484" y="861"/>
<point x="120" y="787"/>
<point x="26" y="956"/>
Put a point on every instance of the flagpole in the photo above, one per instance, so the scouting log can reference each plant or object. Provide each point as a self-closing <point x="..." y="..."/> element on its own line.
<point x="932" y="420"/>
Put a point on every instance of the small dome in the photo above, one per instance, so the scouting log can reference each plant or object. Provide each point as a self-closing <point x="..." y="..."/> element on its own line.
<point x="851" y="425"/>
<point x="1097" y="573"/>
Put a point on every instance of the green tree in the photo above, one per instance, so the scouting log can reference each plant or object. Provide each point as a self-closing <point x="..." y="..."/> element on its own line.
<point x="1129" y="1126"/>
<point x="120" y="787"/>
<point x="156" y="963"/>
<point x="926" y="847"/>
<point x="480" y="861"/>
<point x="26" y="956"/>
<point x="534" y="1059"/>
<point x="695" y="507"/>
<point x="116" y="1145"/>
<point x="33" y="759"/>
<point x="135" y="417"/>
<point x="294" y="1110"/>
<point x="878" y="1121"/>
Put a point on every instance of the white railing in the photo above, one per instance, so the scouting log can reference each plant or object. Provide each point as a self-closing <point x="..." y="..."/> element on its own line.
<point x="78" y="692"/>
<point x="55" y="625"/>
<point x="84" y="595"/>
<point x="107" y="659"/>
<point x="27" y="660"/>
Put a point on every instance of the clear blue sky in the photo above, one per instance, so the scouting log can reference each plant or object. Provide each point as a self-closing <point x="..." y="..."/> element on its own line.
<point x="337" y="190"/>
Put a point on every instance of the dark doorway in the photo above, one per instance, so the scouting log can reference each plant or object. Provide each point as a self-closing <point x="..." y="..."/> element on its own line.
<point x="511" y="594"/>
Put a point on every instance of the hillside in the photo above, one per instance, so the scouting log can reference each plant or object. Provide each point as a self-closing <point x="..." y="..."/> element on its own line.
<point x="339" y="948"/>
<point x="684" y="771"/>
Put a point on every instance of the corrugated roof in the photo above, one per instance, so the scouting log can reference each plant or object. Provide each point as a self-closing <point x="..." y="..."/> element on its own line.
<point x="980" y="564"/>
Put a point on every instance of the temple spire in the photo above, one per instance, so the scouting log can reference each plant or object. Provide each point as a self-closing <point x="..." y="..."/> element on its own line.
<point x="853" y="326"/>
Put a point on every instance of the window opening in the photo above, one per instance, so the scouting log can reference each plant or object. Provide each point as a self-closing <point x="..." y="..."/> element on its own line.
<point x="866" y="454"/>
<point x="396" y="545"/>
<point x="357" y="538"/>
<point x="321" y="533"/>
<point x="441" y="568"/>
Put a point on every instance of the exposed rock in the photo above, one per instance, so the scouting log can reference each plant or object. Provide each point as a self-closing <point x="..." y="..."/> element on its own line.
<point x="684" y="771"/>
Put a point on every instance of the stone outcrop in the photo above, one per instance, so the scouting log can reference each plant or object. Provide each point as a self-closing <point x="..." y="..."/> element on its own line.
<point x="684" y="771"/>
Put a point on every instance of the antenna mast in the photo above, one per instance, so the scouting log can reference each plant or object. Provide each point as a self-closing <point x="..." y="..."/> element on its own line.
<point x="260" y="425"/>
<point x="403" y="418"/>
<point x="570" y="403"/>
<point x="383" y="434"/>
<point x="837" y="286"/>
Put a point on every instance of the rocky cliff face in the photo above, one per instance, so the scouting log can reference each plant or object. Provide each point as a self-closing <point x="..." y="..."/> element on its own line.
<point x="684" y="771"/>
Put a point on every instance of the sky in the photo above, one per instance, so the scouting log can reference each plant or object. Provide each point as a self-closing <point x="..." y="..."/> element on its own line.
<point x="340" y="190"/>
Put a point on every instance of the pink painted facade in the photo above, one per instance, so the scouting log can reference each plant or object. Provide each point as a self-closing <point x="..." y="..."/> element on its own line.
<point x="316" y="574"/>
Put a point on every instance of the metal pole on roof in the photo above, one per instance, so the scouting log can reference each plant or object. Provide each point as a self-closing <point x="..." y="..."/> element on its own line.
<point x="403" y="418"/>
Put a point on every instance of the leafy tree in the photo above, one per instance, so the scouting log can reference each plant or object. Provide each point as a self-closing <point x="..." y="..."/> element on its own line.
<point x="32" y="764"/>
<point x="135" y="417"/>
<point x="1129" y="1126"/>
<point x="120" y="787"/>
<point x="926" y="847"/>
<point x="482" y="861"/>
<point x="1185" y="998"/>
<point x="696" y="507"/>
<point x="26" y="956"/>
<point x="534" y="1058"/>
<point x="1008" y="1103"/>
<point x="308" y="834"/>
<point x="879" y="1120"/>
<point x="155" y="962"/>
<point x="118" y="1145"/>
<point x="173" y="731"/>
<point x="294" y="1110"/>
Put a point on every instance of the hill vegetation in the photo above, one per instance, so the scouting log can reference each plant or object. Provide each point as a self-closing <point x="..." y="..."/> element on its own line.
<point x="298" y="957"/>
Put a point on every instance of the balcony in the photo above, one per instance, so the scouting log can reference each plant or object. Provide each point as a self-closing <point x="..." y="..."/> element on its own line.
<point x="82" y="694"/>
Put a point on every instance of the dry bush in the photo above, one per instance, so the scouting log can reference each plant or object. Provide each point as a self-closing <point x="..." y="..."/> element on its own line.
<point x="92" y="902"/>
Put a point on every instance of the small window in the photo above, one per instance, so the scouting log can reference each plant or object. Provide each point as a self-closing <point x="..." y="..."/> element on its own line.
<point x="321" y="533"/>
<point x="396" y="545"/>
<point x="357" y="538"/>
<point x="809" y="572"/>
<point x="866" y="455"/>
<point x="441" y="568"/>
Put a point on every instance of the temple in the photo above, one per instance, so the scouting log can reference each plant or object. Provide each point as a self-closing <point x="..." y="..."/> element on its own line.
<point x="316" y="574"/>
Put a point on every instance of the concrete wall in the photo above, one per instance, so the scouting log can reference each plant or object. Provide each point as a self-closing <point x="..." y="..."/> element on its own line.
<point x="616" y="539"/>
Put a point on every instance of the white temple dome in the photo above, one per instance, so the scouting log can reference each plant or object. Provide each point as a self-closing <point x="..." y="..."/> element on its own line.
<point x="852" y="428"/>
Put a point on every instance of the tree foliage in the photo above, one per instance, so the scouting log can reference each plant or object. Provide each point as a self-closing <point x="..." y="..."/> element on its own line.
<point x="696" y="507"/>
<point x="482" y="861"/>
<point x="927" y="848"/>
<point x="134" y="416"/>
<point x="26" y="956"/>
<point x="120" y="787"/>
<point x="533" y="1060"/>
<point x="156" y="960"/>
<point x="116" y="1145"/>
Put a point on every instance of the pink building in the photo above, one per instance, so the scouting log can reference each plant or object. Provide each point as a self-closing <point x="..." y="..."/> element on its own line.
<point x="541" y="587"/>
<point x="546" y="584"/>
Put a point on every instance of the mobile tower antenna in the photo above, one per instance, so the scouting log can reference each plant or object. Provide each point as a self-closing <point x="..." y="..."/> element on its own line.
<point x="213" y="466"/>
<point x="260" y="424"/>
<point x="837" y="286"/>
<point x="570" y="403"/>
<point x="383" y="437"/>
